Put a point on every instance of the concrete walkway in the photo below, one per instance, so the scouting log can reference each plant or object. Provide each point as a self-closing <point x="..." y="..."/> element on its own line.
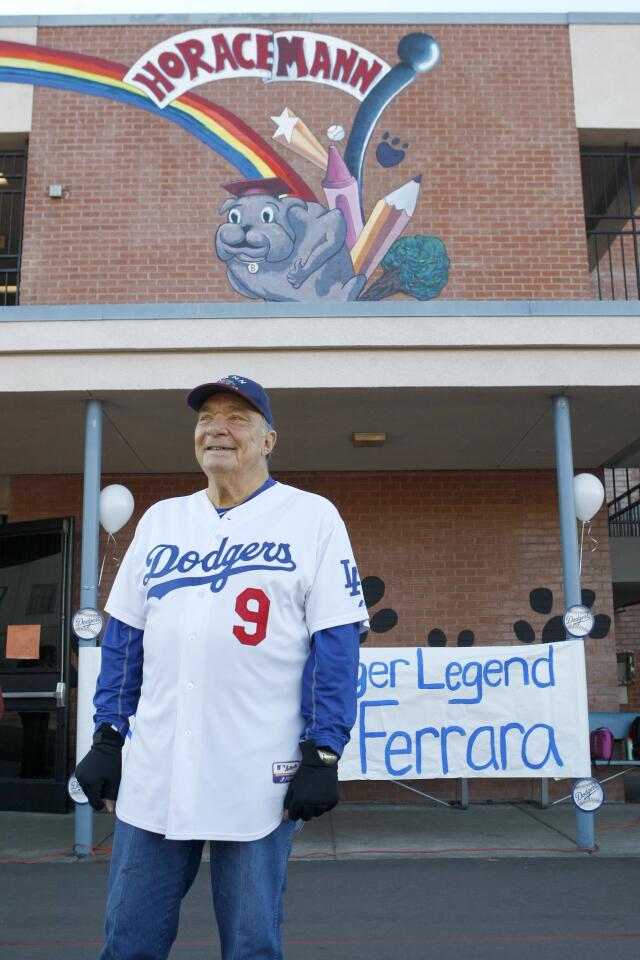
<point x="377" y="831"/>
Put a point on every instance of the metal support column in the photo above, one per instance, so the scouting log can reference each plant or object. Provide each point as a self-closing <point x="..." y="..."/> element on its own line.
<point x="585" y="826"/>
<point x="89" y="572"/>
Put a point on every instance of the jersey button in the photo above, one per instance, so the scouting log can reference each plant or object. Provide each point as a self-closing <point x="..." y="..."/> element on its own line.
<point x="189" y="686"/>
<point x="191" y="637"/>
<point x="187" y="733"/>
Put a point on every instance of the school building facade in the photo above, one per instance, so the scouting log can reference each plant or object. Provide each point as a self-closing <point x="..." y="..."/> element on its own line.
<point x="422" y="407"/>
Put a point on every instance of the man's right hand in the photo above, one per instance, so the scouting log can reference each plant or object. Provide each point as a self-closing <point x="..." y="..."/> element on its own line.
<point x="99" y="772"/>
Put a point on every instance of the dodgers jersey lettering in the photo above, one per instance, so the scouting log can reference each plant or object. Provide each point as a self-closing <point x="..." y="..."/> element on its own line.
<point x="228" y="605"/>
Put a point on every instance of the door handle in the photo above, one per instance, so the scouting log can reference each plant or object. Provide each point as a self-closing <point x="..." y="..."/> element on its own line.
<point x="59" y="694"/>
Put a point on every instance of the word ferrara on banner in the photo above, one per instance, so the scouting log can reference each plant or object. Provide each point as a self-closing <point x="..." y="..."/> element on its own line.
<point x="195" y="57"/>
<point x="430" y="713"/>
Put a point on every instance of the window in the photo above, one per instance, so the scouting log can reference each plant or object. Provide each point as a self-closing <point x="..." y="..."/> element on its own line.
<point x="13" y="164"/>
<point x="42" y="599"/>
<point x="611" y="188"/>
<point x="622" y="487"/>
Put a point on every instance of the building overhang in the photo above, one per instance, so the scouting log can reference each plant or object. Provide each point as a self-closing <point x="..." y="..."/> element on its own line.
<point x="453" y="385"/>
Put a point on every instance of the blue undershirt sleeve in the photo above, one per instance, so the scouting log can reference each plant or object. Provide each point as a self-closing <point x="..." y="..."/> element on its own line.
<point x="120" y="678"/>
<point x="329" y="686"/>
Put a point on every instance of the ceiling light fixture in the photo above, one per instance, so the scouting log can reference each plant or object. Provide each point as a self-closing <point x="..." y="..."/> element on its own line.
<point x="369" y="439"/>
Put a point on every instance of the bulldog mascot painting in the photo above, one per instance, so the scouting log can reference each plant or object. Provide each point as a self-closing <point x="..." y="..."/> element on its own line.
<point x="279" y="247"/>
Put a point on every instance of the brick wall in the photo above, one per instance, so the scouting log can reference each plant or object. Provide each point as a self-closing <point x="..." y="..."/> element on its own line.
<point x="456" y="551"/>
<point x="491" y="130"/>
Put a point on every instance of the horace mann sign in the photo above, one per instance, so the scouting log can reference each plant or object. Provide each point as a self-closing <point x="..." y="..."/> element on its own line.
<point x="200" y="56"/>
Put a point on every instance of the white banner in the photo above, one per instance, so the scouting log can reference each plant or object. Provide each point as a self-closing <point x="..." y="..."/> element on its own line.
<point x="426" y="713"/>
<point x="194" y="57"/>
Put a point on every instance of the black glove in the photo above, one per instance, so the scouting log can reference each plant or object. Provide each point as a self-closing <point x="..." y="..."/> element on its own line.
<point x="314" y="788"/>
<point x="99" y="772"/>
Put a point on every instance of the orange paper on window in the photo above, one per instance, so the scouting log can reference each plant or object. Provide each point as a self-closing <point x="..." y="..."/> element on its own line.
<point x="23" y="641"/>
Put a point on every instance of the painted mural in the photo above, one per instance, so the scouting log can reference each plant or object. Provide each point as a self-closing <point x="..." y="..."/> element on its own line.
<point x="282" y="237"/>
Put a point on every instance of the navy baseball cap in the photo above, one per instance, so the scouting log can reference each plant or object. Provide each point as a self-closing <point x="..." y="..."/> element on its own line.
<point x="249" y="390"/>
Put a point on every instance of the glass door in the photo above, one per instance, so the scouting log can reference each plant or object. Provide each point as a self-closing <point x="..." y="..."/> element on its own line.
<point x="35" y="581"/>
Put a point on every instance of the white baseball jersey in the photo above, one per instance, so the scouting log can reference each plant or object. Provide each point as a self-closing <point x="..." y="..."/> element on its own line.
<point x="228" y="606"/>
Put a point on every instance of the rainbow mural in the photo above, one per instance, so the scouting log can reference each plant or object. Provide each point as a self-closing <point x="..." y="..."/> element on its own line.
<point x="221" y="130"/>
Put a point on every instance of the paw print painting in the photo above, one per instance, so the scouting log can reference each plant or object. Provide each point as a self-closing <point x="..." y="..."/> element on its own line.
<point x="383" y="620"/>
<point x="541" y="602"/>
<point x="438" y="638"/>
<point x="389" y="153"/>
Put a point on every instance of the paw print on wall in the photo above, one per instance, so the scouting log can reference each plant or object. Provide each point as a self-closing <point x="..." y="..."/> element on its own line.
<point x="389" y="153"/>
<point x="438" y="638"/>
<point x="541" y="601"/>
<point x="382" y="621"/>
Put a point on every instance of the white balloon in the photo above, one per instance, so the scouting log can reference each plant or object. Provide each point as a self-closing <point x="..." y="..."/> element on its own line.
<point x="589" y="494"/>
<point x="116" y="506"/>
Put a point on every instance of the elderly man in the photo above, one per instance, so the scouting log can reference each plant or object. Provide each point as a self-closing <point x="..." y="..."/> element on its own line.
<point x="233" y="638"/>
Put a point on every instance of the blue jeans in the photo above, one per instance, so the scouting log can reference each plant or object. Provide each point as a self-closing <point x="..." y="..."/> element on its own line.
<point x="149" y="876"/>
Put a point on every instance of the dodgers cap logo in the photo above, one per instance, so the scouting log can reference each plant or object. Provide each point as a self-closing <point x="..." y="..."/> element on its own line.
<point x="251" y="391"/>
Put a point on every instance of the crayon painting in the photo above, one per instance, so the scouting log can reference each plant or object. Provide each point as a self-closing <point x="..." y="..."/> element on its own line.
<point x="295" y="222"/>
